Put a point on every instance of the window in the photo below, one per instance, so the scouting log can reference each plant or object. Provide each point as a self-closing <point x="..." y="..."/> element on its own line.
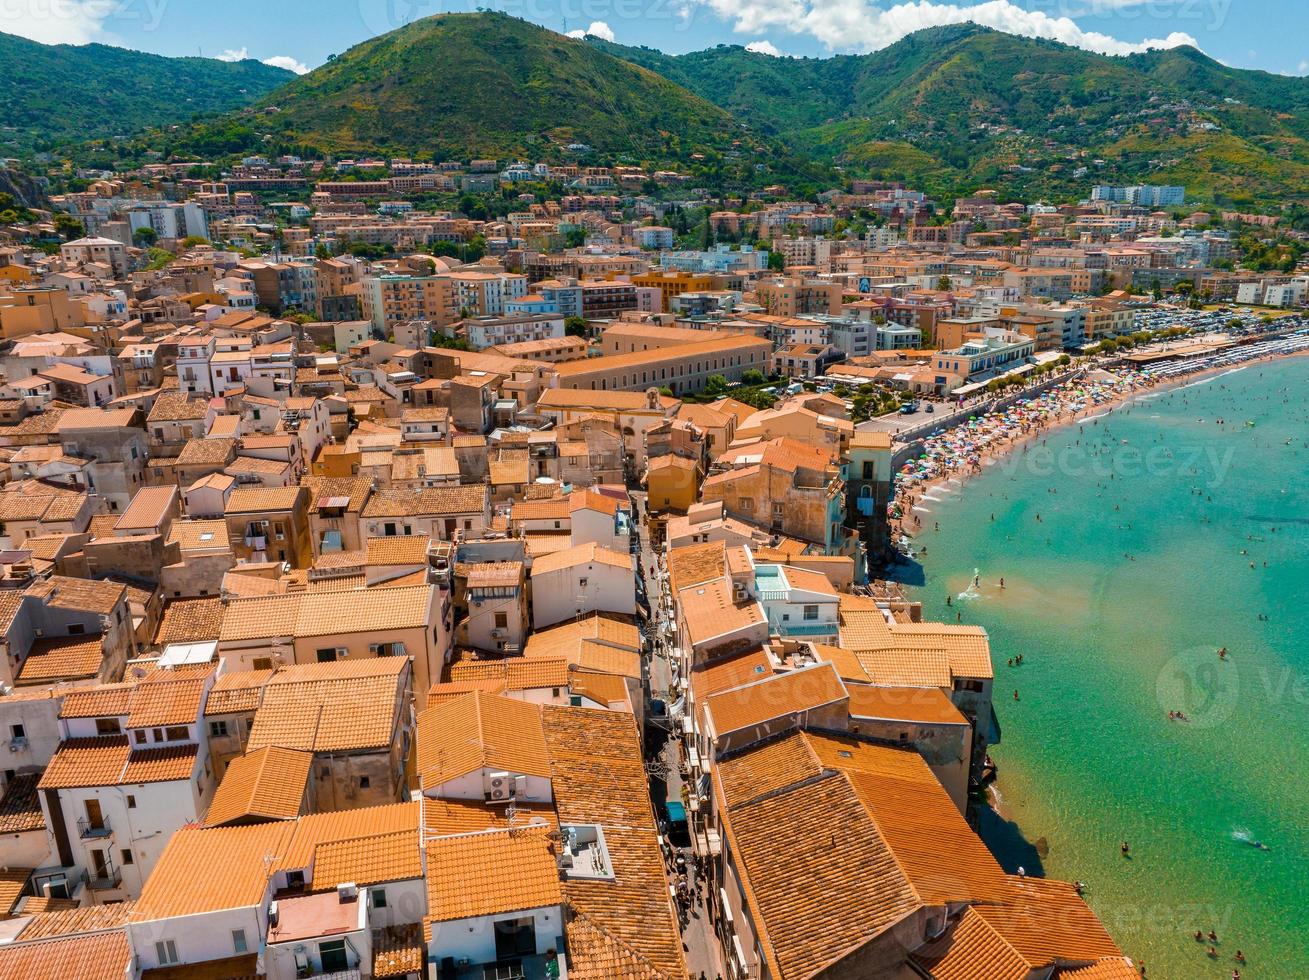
<point x="810" y="612"/>
<point x="217" y="729"/>
<point x="327" y="656"/>
<point x="131" y="802"/>
<point x="332" y="954"/>
<point x="139" y="735"/>
<point x="157" y="734"/>
<point x="501" y="620"/>
<point x="263" y="663"/>
<point x="166" y="952"/>
<point x="364" y="782"/>
<point x="177" y="733"/>
<point x="379" y="898"/>
<point x="238" y="941"/>
<point x="107" y="726"/>
<point x="76" y="629"/>
<point x="126" y="856"/>
<point x="18" y="731"/>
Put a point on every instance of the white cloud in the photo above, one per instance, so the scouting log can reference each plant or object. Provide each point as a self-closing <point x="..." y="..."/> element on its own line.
<point x="287" y="62"/>
<point x="1303" y="68"/>
<point x="277" y="61"/>
<point x="57" y="21"/>
<point x="860" y="25"/>
<point x="764" y="47"/>
<point x="598" y="29"/>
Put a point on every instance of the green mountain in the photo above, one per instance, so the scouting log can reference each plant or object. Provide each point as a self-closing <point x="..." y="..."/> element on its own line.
<point x="55" y="94"/>
<point x="467" y="85"/>
<point x="958" y="107"/>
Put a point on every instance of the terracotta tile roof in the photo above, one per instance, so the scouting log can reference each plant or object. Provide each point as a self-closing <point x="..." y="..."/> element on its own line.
<point x="971" y="950"/>
<point x="308" y="614"/>
<point x="514" y="673"/>
<point x="266" y="784"/>
<point x="368" y="860"/>
<point x="923" y="705"/>
<point x="766" y="768"/>
<point x="1115" y="968"/>
<point x="967" y="647"/>
<point x="489" y="873"/>
<point x="475" y="731"/>
<point x="95" y="418"/>
<point x="199" y="536"/>
<point x="398" y="951"/>
<point x="236" y="692"/>
<point x="493" y="574"/>
<point x="174" y="406"/>
<point x="606" y="689"/>
<point x="91" y="595"/>
<point x="106" y="700"/>
<point x="148" y="509"/>
<point x="258" y="500"/>
<point x="599" y="777"/>
<point x="100" y="956"/>
<point x="332" y="711"/>
<point x="62" y="658"/>
<point x="555" y="509"/>
<point x="897" y="667"/>
<point x="408" y="549"/>
<point x="711" y="610"/>
<point x="1047" y="921"/>
<point x="317" y="829"/>
<point x="847" y="896"/>
<point x="67" y="922"/>
<point x="582" y="554"/>
<point x="431" y="501"/>
<point x="162" y="699"/>
<point x="160" y="765"/>
<point x="540" y="544"/>
<point x="447" y="816"/>
<point x="322" y="488"/>
<point x="206" y="452"/>
<point x="696" y="563"/>
<point x="109" y="761"/>
<point x="20" y="810"/>
<point x="725" y="674"/>
<point x="174" y="889"/>
<point x="562" y="639"/>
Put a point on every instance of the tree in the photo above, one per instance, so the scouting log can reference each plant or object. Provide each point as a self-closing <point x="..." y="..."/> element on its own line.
<point x="715" y="385"/>
<point x="68" y="226"/>
<point x="776" y="261"/>
<point x="753" y="376"/>
<point x="145" y="236"/>
<point x="576" y="326"/>
<point x="943" y="284"/>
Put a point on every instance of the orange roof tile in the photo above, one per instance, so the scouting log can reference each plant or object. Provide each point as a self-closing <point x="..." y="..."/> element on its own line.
<point x="923" y="705"/>
<point x="62" y="658"/>
<point x="162" y="700"/>
<point x="367" y="860"/>
<point x="236" y="692"/>
<point x="312" y="831"/>
<point x="475" y="731"/>
<point x="774" y="697"/>
<point x="489" y="873"/>
<point x="100" y="956"/>
<point x="268" y="783"/>
<point x="333" y="710"/>
<point x="582" y="554"/>
<point x="174" y="889"/>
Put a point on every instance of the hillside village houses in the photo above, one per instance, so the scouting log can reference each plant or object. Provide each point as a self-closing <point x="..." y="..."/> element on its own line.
<point x="352" y="603"/>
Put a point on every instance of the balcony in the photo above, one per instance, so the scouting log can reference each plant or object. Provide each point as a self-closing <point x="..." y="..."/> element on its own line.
<point x="256" y="542"/>
<point x="92" y="830"/>
<point x="104" y="879"/>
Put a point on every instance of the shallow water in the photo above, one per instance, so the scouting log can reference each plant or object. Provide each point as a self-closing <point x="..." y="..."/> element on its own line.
<point x="1119" y="597"/>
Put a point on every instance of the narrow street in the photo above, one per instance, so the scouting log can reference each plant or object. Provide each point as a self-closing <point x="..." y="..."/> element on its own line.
<point x="664" y="758"/>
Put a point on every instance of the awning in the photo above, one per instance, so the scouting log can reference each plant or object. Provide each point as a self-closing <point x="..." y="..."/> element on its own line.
<point x="676" y="812"/>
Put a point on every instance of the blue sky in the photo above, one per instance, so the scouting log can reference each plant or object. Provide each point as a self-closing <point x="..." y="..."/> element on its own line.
<point x="300" y="34"/>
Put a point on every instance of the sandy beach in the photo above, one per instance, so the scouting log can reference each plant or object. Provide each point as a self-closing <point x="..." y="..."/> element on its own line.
<point x="960" y="453"/>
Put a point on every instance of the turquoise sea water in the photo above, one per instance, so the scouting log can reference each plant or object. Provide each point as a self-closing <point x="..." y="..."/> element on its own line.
<point x="1119" y="597"/>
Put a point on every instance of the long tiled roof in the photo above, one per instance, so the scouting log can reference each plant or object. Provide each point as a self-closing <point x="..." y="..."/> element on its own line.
<point x="109" y="761"/>
<point x="774" y="697"/>
<point x="306" y="614"/>
<point x="99" y="956"/>
<point x="367" y="860"/>
<point x="331" y="710"/>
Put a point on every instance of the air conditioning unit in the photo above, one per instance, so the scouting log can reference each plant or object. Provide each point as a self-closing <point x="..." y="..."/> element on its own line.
<point x="373" y="648"/>
<point x="347" y="891"/>
<point x="499" y="786"/>
<point x="342" y="653"/>
<point x="272" y="913"/>
<point x="497" y="634"/>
